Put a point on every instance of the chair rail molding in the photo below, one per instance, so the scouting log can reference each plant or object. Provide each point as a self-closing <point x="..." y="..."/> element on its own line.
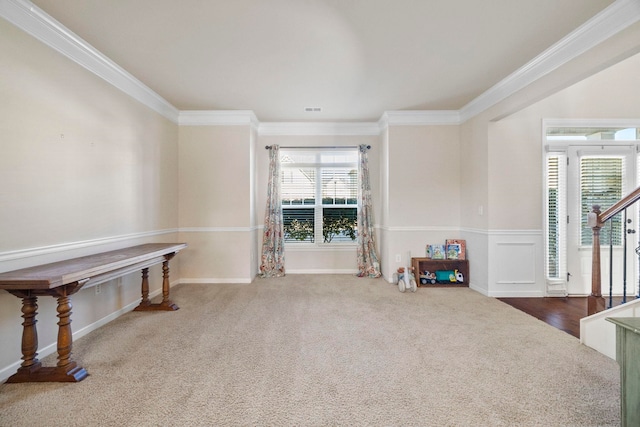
<point x="21" y="254"/>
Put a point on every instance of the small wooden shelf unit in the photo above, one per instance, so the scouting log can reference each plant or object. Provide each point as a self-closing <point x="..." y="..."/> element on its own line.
<point x="421" y="264"/>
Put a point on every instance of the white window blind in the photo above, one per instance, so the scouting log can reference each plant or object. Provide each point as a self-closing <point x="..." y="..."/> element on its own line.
<point x="556" y="216"/>
<point x="601" y="183"/>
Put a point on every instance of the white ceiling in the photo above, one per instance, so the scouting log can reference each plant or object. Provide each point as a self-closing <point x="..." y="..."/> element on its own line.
<point x="353" y="58"/>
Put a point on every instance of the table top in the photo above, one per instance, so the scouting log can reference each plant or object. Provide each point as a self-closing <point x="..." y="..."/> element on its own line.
<point x="60" y="273"/>
<point x="630" y="323"/>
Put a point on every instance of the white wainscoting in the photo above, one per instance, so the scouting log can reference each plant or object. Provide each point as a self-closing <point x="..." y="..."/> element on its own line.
<point x="522" y="266"/>
<point x="516" y="263"/>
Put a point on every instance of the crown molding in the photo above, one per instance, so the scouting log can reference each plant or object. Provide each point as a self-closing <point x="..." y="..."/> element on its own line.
<point x="218" y="118"/>
<point x="615" y="18"/>
<point x="34" y="21"/>
<point x="319" y="128"/>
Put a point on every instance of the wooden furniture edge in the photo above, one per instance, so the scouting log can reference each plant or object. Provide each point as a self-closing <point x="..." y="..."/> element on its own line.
<point x="67" y="370"/>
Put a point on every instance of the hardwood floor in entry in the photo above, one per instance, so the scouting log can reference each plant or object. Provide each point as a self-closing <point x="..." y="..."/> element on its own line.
<point x="563" y="313"/>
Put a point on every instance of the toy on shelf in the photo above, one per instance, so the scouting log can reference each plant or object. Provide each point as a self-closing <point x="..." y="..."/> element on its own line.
<point x="405" y="279"/>
<point x="427" y="277"/>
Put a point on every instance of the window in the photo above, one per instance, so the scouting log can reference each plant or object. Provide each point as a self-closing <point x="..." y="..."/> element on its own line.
<point x="556" y="213"/>
<point x="319" y="195"/>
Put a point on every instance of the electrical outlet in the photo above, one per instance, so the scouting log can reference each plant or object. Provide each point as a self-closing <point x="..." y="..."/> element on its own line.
<point x="98" y="289"/>
<point x="398" y="258"/>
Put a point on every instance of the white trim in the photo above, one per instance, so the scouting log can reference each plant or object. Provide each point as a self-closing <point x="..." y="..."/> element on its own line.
<point x="319" y="128"/>
<point x="218" y="118"/>
<point x="480" y="231"/>
<point x="34" y="21"/>
<point x="515" y="233"/>
<point x="217" y="229"/>
<point x="612" y="20"/>
<point x="45" y="250"/>
<point x="515" y="294"/>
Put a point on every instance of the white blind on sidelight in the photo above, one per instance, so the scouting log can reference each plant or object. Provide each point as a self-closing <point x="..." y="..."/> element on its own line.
<point x="556" y="187"/>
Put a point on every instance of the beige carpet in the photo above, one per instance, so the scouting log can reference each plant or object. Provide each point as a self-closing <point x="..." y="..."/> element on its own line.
<point x="326" y="351"/>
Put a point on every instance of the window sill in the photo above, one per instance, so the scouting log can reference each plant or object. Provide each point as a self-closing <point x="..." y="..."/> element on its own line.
<point x="326" y="247"/>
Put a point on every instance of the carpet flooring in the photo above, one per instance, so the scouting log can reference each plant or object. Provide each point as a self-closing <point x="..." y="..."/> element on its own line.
<point x="325" y="350"/>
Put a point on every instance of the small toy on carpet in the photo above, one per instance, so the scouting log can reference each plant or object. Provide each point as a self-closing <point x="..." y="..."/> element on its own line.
<point x="405" y="279"/>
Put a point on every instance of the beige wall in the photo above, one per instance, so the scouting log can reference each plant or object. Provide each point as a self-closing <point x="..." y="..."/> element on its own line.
<point x="216" y="184"/>
<point x="422" y="192"/>
<point x="84" y="168"/>
<point x="424" y="176"/>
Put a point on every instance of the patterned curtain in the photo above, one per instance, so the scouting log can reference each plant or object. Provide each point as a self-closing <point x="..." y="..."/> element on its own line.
<point x="272" y="264"/>
<point x="368" y="264"/>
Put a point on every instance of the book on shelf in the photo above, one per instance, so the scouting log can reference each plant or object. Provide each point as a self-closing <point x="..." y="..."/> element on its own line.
<point x="428" y="252"/>
<point x="462" y="252"/>
<point x="438" y="251"/>
<point x="453" y="251"/>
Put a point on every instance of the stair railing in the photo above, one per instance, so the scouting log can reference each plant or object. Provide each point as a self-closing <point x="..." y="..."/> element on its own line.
<point x="596" y="220"/>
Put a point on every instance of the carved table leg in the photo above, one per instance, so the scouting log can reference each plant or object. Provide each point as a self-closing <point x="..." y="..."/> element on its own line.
<point x="145" y="290"/>
<point x="32" y="370"/>
<point x="166" y="304"/>
<point x="66" y="367"/>
<point x="30" y="362"/>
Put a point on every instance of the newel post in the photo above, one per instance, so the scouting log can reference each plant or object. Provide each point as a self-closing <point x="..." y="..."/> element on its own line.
<point x="595" y="302"/>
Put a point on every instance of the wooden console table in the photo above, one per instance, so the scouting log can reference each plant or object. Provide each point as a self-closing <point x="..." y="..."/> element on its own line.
<point x="627" y="351"/>
<point x="61" y="280"/>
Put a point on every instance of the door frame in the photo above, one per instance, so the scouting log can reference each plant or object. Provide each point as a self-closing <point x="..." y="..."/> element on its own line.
<point x="558" y="286"/>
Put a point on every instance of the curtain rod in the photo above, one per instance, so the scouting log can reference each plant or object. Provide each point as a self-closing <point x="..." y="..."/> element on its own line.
<point x="317" y="148"/>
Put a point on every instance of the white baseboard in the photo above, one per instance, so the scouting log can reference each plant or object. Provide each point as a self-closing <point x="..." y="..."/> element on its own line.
<point x="517" y="294"/>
